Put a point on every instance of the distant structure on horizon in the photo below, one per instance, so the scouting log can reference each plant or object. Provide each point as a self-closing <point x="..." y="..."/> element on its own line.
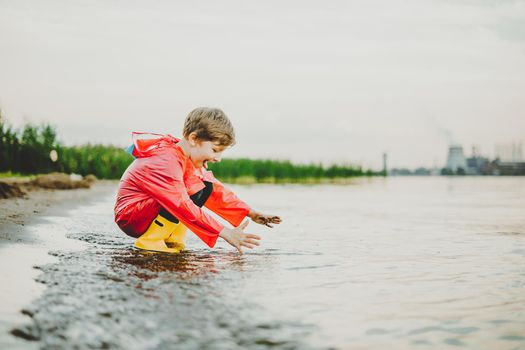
<point x="512" y="152"/>
<point x="385" y="167"/>
<point x="456" y="159"/>
<point x="509" y="161"/>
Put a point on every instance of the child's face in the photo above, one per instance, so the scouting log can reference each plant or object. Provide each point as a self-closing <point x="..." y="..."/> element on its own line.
<point x="206" y="151"/>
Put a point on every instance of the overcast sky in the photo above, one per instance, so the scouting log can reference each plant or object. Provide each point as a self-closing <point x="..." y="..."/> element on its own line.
<point x="331" y="81"/>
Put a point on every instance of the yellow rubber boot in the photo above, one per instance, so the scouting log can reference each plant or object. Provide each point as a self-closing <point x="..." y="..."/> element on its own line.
<point x="153" y="239"/>
<point x="177" y="239"/>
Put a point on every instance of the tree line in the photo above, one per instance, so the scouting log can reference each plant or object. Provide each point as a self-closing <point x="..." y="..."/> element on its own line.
<point x="34" y="149"/>
<point x="279" y="171"/>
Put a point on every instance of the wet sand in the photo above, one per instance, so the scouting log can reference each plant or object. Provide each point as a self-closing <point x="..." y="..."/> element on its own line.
<point x="101" y="293"/>
<point x="16" y="213"/>
<point x="22" y="249"/>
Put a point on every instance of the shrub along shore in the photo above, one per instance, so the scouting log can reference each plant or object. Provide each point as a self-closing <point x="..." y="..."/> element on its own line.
<point x="35" y="150"/>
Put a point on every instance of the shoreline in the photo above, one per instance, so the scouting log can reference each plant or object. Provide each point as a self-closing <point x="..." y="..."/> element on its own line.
<point x="27" y="235"/>
<point x="17" y="212"/>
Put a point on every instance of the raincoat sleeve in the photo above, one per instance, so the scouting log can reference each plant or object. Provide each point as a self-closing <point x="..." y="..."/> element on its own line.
<point x="163" y="180"/>
<point x="226" y="204"/>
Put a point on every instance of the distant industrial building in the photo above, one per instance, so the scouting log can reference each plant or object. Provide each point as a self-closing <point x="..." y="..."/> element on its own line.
<point x="456" y="162"/>
<point x="509" y="161"/>
<point x="477" y="165"/>
<point x="512" y="152"/>
<point x="497" y="167"/>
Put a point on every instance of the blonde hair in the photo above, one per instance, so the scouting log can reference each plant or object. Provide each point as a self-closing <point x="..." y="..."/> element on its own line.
<point x="210" y="124"/>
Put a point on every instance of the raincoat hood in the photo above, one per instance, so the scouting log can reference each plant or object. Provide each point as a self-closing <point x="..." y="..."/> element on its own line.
<point x="146" y="144"/>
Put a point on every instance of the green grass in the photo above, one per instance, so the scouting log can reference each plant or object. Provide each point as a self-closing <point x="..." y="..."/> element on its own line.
<point x="26" y="152"/>
<point x="9" y="174"/>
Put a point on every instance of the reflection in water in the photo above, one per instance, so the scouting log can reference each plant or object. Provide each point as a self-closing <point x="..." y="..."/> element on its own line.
<point x="184" y="266"/>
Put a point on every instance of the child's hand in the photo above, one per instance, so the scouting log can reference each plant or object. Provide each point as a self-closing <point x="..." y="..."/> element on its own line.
<point x="263" y="219"/>
<point x="237" y="238"/>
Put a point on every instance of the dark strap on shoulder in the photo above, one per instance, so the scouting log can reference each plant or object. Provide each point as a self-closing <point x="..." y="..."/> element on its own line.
<point x="198" y="198"/>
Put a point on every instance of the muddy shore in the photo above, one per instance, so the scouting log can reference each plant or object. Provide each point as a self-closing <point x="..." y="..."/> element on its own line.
<point x="78" y="284"/>
<point x="97" y="292"/>
<point x="27" y="203"/>
<point x="23" y="250"/>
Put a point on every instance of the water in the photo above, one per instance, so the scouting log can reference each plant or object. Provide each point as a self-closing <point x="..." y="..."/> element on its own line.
<point x="397" y="263"/>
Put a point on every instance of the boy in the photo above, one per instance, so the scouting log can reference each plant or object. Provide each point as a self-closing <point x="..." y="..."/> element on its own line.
<point x="162" y="191"/>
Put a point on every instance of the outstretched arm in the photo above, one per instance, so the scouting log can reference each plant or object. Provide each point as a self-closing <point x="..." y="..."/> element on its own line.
<point x="226" y="204"/>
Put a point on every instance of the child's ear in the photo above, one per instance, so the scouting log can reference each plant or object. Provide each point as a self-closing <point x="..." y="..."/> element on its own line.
<point x="193" y="139"/>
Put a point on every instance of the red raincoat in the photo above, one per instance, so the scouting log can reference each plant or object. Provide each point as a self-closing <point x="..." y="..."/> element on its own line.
<point x="162" y="176"/>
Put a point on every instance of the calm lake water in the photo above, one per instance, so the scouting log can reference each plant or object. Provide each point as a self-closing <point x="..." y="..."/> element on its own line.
<point x="396" y="263"/>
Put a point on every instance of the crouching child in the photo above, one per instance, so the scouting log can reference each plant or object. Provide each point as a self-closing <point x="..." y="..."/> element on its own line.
<point x="162" y="192"/>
